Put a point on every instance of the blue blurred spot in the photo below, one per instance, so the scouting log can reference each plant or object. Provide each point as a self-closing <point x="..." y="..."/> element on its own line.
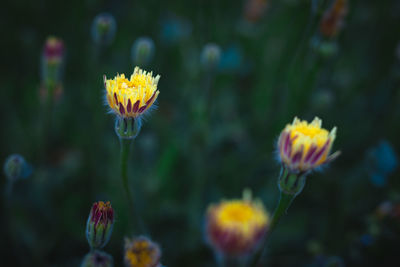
<point x="367" y="240"/>
<point x="381" y="162"/>
<point x="231" y="59"/>
<point x="173" y="30"/>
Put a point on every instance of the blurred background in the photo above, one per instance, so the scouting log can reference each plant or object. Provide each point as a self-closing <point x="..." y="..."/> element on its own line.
<point x="233" y="74"/>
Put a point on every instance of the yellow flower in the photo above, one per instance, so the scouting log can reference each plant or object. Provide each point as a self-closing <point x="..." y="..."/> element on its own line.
<point x="142" y="252"/>
<point x="235" y="227"/>
<point x="305" y="146"/>
<point x="129" y="98"/>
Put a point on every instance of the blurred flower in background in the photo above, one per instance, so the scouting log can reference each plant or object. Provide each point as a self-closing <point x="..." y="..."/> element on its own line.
<point x="104" y="27"/>
<point x="235" y="228"/>
<point x="52" y="69"/>
<point x="97" y="258"/>
<point x="142" y="51"/>
<point x="100" y="224"/>
<point x="381" y="161"/>
<point x="254" y="10"/>
<point x="141" y="252"/>
<point x="333" y="19"/>
<point x="15" y="168"/>
<point x="210" y="56"/>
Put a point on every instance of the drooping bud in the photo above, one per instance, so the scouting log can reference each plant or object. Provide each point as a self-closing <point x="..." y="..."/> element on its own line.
<point x="97" y="258"/>
<point x="210" y="56"/>
<point x="15" y="167"/>
<point x="141" y="252"/>
<point x="104" y="27"/>
<point x="52" y="68"/>
<point x="142" y="51"/>
<point x="100" y="224"/>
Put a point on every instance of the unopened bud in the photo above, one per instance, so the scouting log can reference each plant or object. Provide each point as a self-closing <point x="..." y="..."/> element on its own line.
<point x="97" y="258"/>
<point x="52" y="68"/>
<point x="103" y="29"/>
<point x="210" y="56"/>
<point x="99" y="224"/>
<point x="142" y="51"/>
<point x="15" y="167"/>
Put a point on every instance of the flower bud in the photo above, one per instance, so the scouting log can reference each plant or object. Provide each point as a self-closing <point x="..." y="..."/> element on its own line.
<point x="304" y="146"/>
<point x="97" y="258"/>
<point x="235" y="228"/>
<point x="15" y="167"/>
<point x="141" y="252"/>
<point x="104" y="27"/>
<point x="127" y="128"/>
<point x="210" y="56"/>
<point x="333" y="19"/>
<point x="142" y="51"/>
<point x="291" y="183"/>
<point x="99" y="224"/>
<point x="52" y="68"/>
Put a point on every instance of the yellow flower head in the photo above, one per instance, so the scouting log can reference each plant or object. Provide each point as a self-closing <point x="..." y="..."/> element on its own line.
<point x="305" y="146"/>
<point x="141" y="252"/>
<point x="235" y="227"/>
<point x="129" y="98"/>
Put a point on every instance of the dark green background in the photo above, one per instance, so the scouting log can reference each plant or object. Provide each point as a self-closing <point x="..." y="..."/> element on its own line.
<point x="212" y="134"/>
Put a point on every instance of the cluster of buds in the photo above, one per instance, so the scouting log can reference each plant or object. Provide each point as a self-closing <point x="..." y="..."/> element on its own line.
<point x="210" y="56"/>
<point x="99" y="225"/>
<point x="303" y="147"/>
<point x="141" y="252"/>
<point x="333" y="19"/>
<point x="97" y="258"/>
<point x="52" y="68"/>
<point x="142" y="51"/>
<point x="104" y="27"/>
<point x="235" y="228"/>
<point x="129" y="99"/>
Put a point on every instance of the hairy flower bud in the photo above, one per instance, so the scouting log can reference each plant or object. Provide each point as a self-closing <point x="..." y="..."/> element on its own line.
<point x="99" y="224"/>
<point x="142" y="51"/>
<point x="97" y="258"/>
<point x="15" y="167"/>
<point x="103" y="29"/>
<point x="210" y="56"/>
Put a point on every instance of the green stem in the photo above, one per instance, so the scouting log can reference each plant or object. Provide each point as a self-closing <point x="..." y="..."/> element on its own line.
<point x="283" y="205"/>
<point x="125" y="147"/>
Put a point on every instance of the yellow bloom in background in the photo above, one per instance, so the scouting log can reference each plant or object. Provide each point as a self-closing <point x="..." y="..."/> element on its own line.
<point x="305" y="146"/>
<point x="141" y="252"/>
<point x="129" y="98"/>
<point x="235" y="227"/>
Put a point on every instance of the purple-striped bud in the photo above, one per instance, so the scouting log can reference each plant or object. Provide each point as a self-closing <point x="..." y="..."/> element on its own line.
<point x="97" y="258"/>
<point x="52" y="69"/>
<point x="100" y="224"/>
